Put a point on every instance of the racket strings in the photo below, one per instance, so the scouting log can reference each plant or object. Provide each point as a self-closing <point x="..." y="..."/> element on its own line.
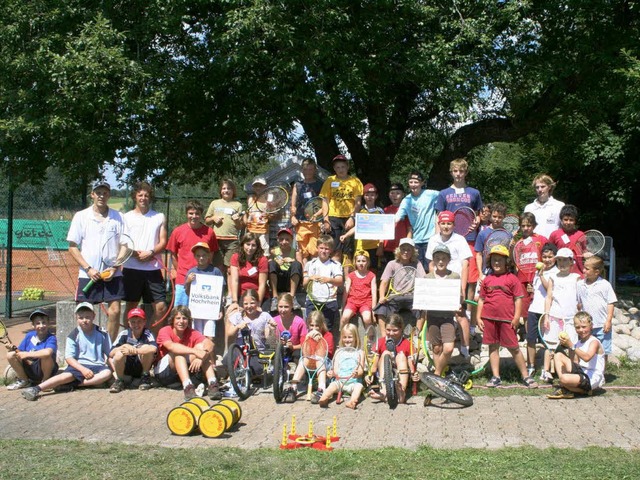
<point x="312" y="208"/>
<point x="403" y="280"/>
<point x="463" y="218"/>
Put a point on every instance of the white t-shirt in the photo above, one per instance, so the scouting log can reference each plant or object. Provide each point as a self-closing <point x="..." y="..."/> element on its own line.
<point x="539" y="292"/>
<point x="90" y="234"/>
<point x="565" y="296"/>
<point x="144" y="230"/>
<point x="595" y="298"/>
<point x="547" y="215"/>
<point x="594" y="368"/>
<point x="331" y="269"/>
<point x="458" y="247"/>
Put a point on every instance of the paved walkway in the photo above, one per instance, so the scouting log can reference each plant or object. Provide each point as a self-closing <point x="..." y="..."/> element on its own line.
<point x="96" y="415"/>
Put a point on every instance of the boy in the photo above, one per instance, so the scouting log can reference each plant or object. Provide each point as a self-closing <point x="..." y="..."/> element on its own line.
<point x="203" y="256"/>
<point x="34" y="360"/>
<point x="285" y="272"/>
<point x="181" y="240"/>
<point x="403" y="227"/>
<point x="326" y="273"/>
<point x="459" y="258"/>
<point x="344" y="196"/>
<point x="498" y="212"/>
<point x="184" y="351"/>
<point x="256" y="221"/>
<point x="372" y="247"/>
<point x="498" y="315"/>
<point x="568" y="236"/>
<point x="142" y="273"/>
<point x="419" y="208"/>
<point x="545" y="208"/>
<point x="133" y="353"/>
<point x="87" y="351"/>
<point x="440" y="325"/>
<point x="89" y="230"/>
<point x="597" y="298"/>
<point x="307" y="233"/>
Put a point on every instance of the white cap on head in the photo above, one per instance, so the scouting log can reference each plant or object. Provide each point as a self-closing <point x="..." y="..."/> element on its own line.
<point x="82" y="305"/>
<point x="564" y="253"/>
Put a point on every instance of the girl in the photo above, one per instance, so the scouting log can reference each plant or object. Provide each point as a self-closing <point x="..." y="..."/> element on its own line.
<point x="586" y="375"/>
<point x="249" y="270"/>
<point x="287" y="320"/>
<point x="530" y="254"/>
<point x="561" y="304"/>
<point x="498" y="315"/>
<point x="345" y="377"/>
<point x="360" y="291"/>
<point x="224" y="216"/>
<point x="260" y="325"/>
<point x="393" y="330"/>
<point x="536" y="308"/>
<point x="317" y="328"/>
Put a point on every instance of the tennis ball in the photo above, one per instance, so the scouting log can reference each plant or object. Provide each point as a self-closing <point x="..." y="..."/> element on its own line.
<point x="539" y="266"/>
<point x="563" y="335"/>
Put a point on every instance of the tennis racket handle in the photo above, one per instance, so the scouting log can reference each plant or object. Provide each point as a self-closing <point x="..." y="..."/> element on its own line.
<point x="309" y="388"/>
<point x="88" y="286"/>
<point x="414" y="384"/>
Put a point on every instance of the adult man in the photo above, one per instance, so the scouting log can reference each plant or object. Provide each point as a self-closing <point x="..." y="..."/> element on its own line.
<point x="545" y="208"/>
<point x="90" y="230"/>
<point x="143" y="271"/>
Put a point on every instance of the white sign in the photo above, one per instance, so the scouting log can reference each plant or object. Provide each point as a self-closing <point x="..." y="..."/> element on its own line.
<point x="442" y="294"/>
<point x="375" y="226"/>
<point x="205" y="297"/>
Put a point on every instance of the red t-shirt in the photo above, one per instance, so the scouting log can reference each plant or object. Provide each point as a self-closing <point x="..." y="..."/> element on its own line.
<point x="402" y="227"/>
<point x="248" y="276"/>
<point x="180" y="242"/>
<point x="190" y="338"/>
<point x="403" y="346"/>
<point x="575" y="242"/>
<point x="531" y="253"/>
<point x="331" y="347"/>
<point x="360" y="289"/>
<point x="498" y="293"/>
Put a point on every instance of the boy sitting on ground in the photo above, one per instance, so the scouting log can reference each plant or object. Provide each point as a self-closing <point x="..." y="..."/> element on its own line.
<point x="34" y="360"/>
<point x="87" y="350"/>
<point x="133" y="353"/>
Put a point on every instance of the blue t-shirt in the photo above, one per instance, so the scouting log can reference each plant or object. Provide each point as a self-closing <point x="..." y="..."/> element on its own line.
<point x="89" y="349"/>
<point x="421" y="213"/>
<point x="126" y="337"/>
<point x="31" y="343"/>
<point x="453" y="198"/>
<point x="210" y="270"/>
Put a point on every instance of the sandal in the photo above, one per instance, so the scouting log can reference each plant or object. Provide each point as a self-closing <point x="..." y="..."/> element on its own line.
<point x="530" y="382"/>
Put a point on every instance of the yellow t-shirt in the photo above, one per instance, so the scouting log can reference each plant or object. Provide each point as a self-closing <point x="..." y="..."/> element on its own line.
<point x="341" y="195"/>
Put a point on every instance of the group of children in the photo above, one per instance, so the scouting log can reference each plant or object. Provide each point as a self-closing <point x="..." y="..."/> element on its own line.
<point x="323" y="263"/>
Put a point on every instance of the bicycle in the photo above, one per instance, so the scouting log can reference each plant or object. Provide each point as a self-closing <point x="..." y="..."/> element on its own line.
<point x="390" y="375"/>
<point x="450" y="387"/>
<point x="283" y="356"/>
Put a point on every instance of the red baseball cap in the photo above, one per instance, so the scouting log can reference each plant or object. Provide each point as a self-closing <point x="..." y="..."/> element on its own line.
<point x="445" y="216"/>
<point x="370" y="187"/>
<point x="136" y="312"/>
<point x="339" y="158"/>
<point x="285" y="230"/>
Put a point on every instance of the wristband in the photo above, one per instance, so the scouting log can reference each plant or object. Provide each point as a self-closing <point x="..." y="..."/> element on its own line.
<point x="86" y="269"/>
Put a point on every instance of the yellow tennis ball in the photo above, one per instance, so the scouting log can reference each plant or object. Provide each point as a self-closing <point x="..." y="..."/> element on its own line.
<point x="563" y="335"/>
<point x="539" y="266"/>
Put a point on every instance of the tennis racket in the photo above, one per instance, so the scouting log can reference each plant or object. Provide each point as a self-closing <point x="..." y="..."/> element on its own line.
<point x="4" y="336"/>
<point x="548" y="331"/>
<point x="401" y="283"/>
<point x="499" y="236"/>
<point x="115" y="251"/>
<point x="314" y="358"/>
<point x="411" y="335"/>
<point x="526" y="254"/>
<point x="464" y="219"/>
<point x="592" y="241"/>
<point x="511" y="223"/>
<point x="369" y="342"/>
<point x="345" y="367"/>
<point x="272" y="199"/>
<point x="318" y="293"/>
<point x="423" y="340"/>
<point x="314" y="210"/>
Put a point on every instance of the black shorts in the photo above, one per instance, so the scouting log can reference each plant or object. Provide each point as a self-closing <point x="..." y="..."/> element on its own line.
<point x="133" y="366"/>
<point x="396" y="305"/>
<point x="585" y="383"/>
<point x="101" y="291"/>
<point x="337" y="230"/>
<point x="78" y="377"/>
<point x="145" y="284"/>
<point x="33" y="370"/>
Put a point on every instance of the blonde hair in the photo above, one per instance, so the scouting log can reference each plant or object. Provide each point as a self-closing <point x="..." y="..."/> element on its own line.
<point x="460" y="163"/>
<point x="546" y="179"/>
<point x="317" y="317"/>
<point x="353" y="330"/>
<point x="583" y="317"/>
<point x="287" y="297"/>
<point x="596" y="262"/>
<point x="414" y="256"/>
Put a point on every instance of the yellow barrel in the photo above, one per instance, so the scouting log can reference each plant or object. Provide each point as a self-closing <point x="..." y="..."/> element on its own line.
<point x="212" y="423"/>
<point x="181" y="421"/>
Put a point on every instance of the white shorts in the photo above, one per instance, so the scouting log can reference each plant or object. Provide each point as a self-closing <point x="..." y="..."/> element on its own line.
<point x="205" y="327"/>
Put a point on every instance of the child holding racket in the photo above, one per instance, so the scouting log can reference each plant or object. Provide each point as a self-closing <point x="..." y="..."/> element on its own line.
<point x="285" y="272"/>
<point x="498" y="212"/>
<point x="597" y="298"/>
<point x="289" y="321"/>
<point x="257" y="222"/>
<point x="580" y="364"/>
<point x="561" y="305"/>
<point x="347" y="370"/>
<point x="395" y="340"/>
<point x="537" y="306"/>
<point x="498" y="315"/>
<point x="34" y="360"/>
<point x="568" y="236"/>
<point x="87" y="351"/>
<point x="317" y="329"/>
<point x="361" y="291"/>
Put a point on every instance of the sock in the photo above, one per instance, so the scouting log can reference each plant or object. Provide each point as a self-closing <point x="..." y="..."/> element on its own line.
<point x="464" y="350"/>
<point x="472" y="330"/>
<point x="186" y="383"/>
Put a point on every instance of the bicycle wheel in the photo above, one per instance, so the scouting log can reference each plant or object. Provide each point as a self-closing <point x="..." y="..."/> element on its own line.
<point x="445" y="388"/>
<point x="389" y="382"/>
<point x="279" y="374"/>
<point x="239" y="372"/>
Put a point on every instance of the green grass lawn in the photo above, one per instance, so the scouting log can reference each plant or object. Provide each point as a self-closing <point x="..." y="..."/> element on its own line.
<point x="79" y="460"/>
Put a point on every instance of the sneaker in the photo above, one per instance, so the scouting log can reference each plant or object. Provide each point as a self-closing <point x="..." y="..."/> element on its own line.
<point x="546" y="377"/>
<point x="290" y="396"/>
<point x="315" y="398"/>
<point x="531" y="370"/>
<point x="117" y="386"/>
<point x="296" y="305"/>
<point x="274" y="304"/>
<point x="31" y="394"/>
<point x="145" y="382"/>
<point x="19" y="383"/>
<point x="494" y="382"/>
<point x="189" y="392"/>
<point x="561" y="393"/>
<point x="530" y="382"/>
<point x="214" y="391"/>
